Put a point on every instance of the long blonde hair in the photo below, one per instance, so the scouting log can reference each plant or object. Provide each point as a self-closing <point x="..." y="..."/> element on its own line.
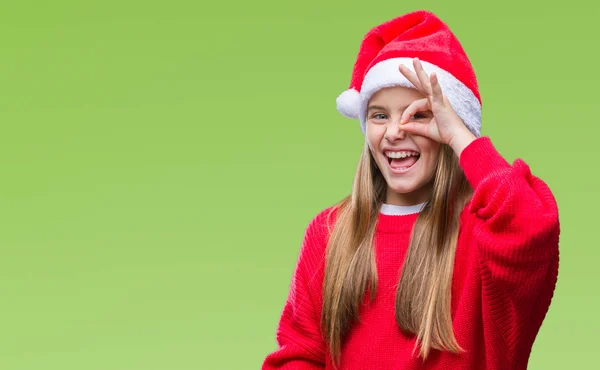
<point x="423" y="295"/>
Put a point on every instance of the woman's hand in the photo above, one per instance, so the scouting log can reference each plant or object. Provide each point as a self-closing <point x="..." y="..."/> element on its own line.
<point x="446" y="126"/>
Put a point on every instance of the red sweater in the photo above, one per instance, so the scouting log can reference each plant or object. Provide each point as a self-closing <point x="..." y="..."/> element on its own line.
<point x="505" y="273"/>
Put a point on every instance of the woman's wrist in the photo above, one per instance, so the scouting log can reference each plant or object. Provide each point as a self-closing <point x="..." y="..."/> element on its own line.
<point x="461" y="140"/>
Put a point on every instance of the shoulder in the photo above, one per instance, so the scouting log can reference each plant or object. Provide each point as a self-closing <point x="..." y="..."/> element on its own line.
<point x="312" y="254"/>
<point x="319" y="229"/>
<point x="324" y="219"/>
<point x="321" y="225"/>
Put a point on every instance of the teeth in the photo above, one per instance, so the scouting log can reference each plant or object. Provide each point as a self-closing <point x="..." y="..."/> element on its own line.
<point x="401" y="154"/>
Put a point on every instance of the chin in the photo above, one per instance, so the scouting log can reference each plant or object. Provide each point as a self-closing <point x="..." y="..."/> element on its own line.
<point x="404" y="183"/>
<point x="414" y="188"/>
<point x="401" y="187"/>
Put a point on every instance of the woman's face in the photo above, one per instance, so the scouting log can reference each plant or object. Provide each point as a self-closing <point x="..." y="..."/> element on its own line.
<point x="407" y="161"/>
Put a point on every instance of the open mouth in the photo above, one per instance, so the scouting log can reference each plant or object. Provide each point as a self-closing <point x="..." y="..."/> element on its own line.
<point x="402" y="161"/>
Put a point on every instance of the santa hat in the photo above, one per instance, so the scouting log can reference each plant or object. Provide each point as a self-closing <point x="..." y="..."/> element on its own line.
<point x="420" y="34"/>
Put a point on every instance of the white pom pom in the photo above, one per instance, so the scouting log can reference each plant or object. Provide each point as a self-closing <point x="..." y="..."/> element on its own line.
<point x="348" y="103"/>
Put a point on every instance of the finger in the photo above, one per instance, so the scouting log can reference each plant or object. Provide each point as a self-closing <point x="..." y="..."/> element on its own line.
<point x="438" y="95"/>
<point x="419" y="105"/>
<point x="417" y="128"/>
<point x="423" y="78"/>
<point x="412" y="77"/>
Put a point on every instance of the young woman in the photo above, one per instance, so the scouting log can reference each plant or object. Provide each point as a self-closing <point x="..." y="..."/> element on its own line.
<point x="444" y="256"/>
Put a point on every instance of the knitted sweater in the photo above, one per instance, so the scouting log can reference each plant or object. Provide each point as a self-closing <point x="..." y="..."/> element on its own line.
<point x="506" y="268"/>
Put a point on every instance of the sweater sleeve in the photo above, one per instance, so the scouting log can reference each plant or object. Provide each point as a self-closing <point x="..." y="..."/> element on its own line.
<point x="516" y="228"/>
<point x="300" y="345"/>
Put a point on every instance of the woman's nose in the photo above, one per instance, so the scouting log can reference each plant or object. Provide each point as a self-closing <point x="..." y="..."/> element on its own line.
<point x="394" y="130"/>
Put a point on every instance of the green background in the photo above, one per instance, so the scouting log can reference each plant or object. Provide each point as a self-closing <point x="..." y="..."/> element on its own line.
<point x="161" y="160"/>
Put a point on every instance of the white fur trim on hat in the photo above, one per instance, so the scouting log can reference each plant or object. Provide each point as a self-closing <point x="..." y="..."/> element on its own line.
<point x="348" y="103"/>
<point x="386" y="74"/>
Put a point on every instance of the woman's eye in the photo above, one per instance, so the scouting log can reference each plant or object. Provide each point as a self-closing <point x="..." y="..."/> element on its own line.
<point x="419" y="116"/>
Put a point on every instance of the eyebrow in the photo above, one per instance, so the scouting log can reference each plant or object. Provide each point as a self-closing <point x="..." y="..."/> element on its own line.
<point x="379" y="107"/>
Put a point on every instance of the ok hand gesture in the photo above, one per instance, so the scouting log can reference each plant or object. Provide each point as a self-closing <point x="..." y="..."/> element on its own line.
<point x="446" y="126"/>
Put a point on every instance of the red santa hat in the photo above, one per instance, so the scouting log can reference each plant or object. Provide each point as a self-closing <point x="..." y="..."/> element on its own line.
<point x="420" y="34"/>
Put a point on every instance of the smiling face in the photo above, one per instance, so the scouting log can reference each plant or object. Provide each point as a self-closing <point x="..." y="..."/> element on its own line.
<point x="407" y="161"/>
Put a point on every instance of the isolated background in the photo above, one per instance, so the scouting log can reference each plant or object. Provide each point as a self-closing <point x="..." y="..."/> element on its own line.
<point x="161" y="160"/>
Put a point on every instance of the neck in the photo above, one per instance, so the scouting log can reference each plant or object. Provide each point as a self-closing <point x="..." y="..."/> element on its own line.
<point x="413" y="198"/>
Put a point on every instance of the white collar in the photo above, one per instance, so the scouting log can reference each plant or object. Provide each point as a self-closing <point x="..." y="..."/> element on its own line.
<point x="394" y="210"/>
